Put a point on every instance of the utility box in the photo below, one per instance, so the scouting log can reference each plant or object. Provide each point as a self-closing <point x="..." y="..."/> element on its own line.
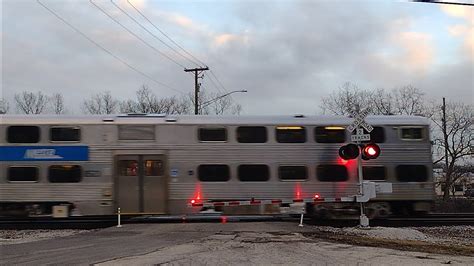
<point x="60" y="211"/>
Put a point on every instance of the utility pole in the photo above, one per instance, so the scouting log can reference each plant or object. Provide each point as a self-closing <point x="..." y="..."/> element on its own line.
<point x="197" y="72"/>
<point x="447" y="178"/>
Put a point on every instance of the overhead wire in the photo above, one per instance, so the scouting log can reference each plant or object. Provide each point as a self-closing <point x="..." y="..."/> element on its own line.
<point x="151" y="33"/>
<point x="106" y="50"/>
<point x="184" y="50"/>
<point x="166" y="35"/>
<point x="136" y="36"/>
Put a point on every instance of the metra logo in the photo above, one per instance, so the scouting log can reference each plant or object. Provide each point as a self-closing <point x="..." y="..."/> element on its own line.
<point x="41" y="154"/>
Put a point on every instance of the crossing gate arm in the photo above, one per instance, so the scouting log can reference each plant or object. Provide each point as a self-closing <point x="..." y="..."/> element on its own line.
<point x="266" y="202"/>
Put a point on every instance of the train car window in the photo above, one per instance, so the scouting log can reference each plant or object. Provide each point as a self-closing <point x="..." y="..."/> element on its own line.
<point x="291" y="173"/>
<point x="411" y="133"/>
<point x="332" y="173"/>
<point x="374" y="173"/>
<point x="290" y="134"/>
<point x="136" y="132"/>
<point x="23" y="173"/>
<point x="412" y="173"/>
<point x="212" y="134"/>
<point x="23" y="134"/>
<point x="65" y="173"/>
<point x="128" y="167"/>
<point x="153" y="167"/>
<point x="253" y="172"/>
<point x="377" y="135"/>
<point x="252" y="134"/>
<point x="213" y="172"/>
<point x="65" y="134"/>
<point x="330" y="134"/>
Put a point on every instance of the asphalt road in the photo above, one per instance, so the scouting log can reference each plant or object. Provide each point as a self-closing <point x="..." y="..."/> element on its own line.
<point x="262" y="243"/>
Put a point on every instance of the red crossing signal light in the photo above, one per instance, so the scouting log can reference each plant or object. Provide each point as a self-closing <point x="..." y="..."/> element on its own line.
<point x="370" y="151"/>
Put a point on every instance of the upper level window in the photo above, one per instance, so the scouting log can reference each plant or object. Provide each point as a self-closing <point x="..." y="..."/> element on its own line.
<point x="412" y="173"/>
<point x="291" y="134"/>
<point x="411" y="133"/>
<point x="288" y="173"/>
<point x="247" y="134"/>
<point x="213" y="172"/>
<point x="65" y="134"/>
<point x="23" y="173"/>
<point x="377" y="135"/>
<point x="23" y="134"/>
<point x="330" y="134"/>
<point x="212" y="134"/>
<point x="65" y="173"/>
<point x="136" y="132"/>
<point x="253" y="172"/>
<point x="332" y="173"/>
<point x="373" y="172"/>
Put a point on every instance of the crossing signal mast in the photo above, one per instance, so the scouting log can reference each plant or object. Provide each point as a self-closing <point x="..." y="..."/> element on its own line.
<point x="360" y="151"/>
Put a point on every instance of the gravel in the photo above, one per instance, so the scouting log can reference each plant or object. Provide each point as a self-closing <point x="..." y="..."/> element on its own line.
<point x="456" y="235"/>
<point x="24" y="236"/>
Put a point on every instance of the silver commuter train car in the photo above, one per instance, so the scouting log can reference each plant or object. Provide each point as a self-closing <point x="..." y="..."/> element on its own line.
<point x="91" y="165"/>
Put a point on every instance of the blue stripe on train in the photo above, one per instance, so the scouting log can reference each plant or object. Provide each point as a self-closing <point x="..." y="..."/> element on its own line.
<point x="44" y="153"/>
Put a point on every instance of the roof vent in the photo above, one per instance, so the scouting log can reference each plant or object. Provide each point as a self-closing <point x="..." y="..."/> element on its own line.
<point x="298" y="116"/>
<point x="136" y="114"/>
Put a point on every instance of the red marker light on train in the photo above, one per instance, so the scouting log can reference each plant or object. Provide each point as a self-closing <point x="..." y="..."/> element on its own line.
<point x="370" y="151"/>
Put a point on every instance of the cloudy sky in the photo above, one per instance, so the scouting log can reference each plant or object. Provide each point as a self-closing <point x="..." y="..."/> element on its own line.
<point x="287" y="54"/>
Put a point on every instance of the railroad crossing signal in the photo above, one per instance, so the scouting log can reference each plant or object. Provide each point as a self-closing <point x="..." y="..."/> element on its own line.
<point x="359" y="121"/>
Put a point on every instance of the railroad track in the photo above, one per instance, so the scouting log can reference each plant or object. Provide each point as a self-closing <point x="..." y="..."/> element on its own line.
<point x="93" y="222"/>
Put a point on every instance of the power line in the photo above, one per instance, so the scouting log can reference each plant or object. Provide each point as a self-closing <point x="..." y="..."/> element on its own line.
<point x="105" y="50"/>
<point x="136" y="36"/>
<point x="162" y="32"/>
<point x="184" y="50"/>
<point x="444" y="2"/>
<point x="151" y="33"/>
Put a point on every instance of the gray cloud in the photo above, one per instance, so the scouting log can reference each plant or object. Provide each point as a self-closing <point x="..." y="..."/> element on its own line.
<point x="290" y="55"/>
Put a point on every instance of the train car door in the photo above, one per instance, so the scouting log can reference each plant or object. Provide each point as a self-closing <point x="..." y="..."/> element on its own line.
<point x="141" y="183"/>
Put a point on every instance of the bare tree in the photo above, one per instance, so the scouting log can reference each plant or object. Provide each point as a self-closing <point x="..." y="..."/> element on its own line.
<point x="57" y="103"/>
<point x="147" y="102"/>
<point x="4" y="106"/>
<point x="406" y="100"/>
<point x="128" y="106"/>
<point x="102" y="103"/>
<point x="345" y="100"/>
<point x="30" y="102"/>
<point x="454" y="140"/>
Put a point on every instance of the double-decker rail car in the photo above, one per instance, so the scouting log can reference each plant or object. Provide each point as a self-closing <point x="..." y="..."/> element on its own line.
<point x="157" y="164"/>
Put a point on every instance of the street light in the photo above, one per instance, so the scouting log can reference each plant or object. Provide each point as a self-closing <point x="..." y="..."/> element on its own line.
<point x="207" y="103"/>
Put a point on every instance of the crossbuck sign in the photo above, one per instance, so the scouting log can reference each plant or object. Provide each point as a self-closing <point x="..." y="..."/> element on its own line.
<point x="360" y="122"/>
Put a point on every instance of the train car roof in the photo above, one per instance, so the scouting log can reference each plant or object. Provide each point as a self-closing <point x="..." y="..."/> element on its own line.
<point x="207" y="119"/>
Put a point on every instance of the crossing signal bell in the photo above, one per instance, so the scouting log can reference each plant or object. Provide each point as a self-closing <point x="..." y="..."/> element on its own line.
<point x="351" y="151"/>
<point x="370" y="151"/>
